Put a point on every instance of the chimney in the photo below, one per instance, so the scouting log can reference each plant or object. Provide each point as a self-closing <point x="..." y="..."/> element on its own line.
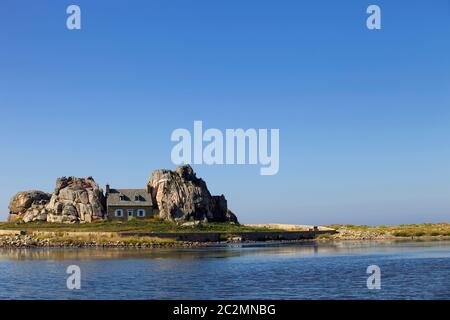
<point x="107" y="188"/>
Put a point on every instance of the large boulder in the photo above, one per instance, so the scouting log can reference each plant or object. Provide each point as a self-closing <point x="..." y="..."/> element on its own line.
<point x="76" y="200"/>
<point x="28" y="206"/>
<point x="181" y="196"/>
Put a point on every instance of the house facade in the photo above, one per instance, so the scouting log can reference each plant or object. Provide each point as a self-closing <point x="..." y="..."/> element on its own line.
<point x="126" y="204"/>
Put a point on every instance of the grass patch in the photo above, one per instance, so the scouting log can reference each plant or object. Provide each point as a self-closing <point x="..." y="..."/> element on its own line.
<point x="404" y="230"/>
<point x="150" y="225"/>
<point x="100" y="239"/>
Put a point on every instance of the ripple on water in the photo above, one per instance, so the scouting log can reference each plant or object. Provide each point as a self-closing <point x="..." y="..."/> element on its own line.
<point x="410" y="270"/>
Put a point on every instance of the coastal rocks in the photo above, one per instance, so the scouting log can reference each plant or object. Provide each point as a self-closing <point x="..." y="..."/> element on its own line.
<point x="76" y="200"/>
<point x="36" y="213"/>
<point x="178" y="196"/>
<point x="22" y="201"/>
<point x="52" y="241"/>
<point x="345" y="233"/>
<point x="181" y="196"/>
<point x="29" y="205"/>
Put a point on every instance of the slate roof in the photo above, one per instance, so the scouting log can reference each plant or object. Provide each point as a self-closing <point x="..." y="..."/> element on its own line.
<point x="131" y="197"/>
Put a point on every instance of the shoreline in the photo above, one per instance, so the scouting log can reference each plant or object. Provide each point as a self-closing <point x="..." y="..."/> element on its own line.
<point x="149" y="234"/>
<point x="163" y="235"/>
<point x="21" y="238"/>
<point x="20" y="244"/>
<point x="30" y="242"/>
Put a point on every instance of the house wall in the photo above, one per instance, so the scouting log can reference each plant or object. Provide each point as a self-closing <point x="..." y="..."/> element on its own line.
<point x="149" y="212"/>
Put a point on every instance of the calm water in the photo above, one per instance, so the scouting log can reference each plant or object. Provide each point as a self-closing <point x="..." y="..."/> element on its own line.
<point x="409" y="270"/>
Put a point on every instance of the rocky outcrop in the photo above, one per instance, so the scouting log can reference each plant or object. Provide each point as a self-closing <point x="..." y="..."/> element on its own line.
<point x="28" y="206"/>
<point x="74" y="200"/>
<point x="181" y="196"/>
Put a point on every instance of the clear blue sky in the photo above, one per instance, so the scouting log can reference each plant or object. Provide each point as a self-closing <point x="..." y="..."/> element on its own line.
<point x="364" y="116"/>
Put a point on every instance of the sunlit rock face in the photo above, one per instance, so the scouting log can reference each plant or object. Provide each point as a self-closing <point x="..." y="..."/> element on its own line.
<point x="28" y="206"/>
<point x="181" y="196"/>
<point x="74" y="200"/>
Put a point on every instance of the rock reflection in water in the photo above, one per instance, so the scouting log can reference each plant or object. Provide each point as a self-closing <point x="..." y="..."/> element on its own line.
<point x="230" y="250"/>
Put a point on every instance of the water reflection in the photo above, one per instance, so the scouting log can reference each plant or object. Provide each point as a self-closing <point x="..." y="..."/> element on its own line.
<point x="309" y="270"/>
<point x="280" y="250"/>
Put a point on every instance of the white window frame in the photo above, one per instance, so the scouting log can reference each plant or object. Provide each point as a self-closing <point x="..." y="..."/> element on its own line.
<point x="118" y="213"/>
<point x="130" y="212"/>
<point x="141" y="213"/>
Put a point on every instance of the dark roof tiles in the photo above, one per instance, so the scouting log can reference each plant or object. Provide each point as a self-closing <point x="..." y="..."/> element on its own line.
<point x="129" y="197"/>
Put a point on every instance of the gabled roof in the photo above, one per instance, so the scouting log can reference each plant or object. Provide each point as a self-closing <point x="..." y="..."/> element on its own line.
<point x="131" y="197"/>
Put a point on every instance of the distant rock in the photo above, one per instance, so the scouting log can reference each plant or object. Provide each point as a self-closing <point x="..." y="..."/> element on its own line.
<point x="28" y="205"/>
<point x="181" y="196"/>
<point x="74" y="200"/>
<point x="22" y="201"/>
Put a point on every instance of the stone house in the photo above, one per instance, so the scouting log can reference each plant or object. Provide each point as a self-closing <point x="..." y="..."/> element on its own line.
<point x="125" y="204"/>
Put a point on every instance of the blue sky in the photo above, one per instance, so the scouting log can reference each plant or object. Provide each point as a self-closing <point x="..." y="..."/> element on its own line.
<point x="364" y="116"/>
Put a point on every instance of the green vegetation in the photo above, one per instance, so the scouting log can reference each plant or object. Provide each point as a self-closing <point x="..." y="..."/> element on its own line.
<point x="152" y="225"/>
<point x="100" y="239"/>
<point x="324" y="237"/>
<point x="231" y="230"/>
<point x="404" y="230"/>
